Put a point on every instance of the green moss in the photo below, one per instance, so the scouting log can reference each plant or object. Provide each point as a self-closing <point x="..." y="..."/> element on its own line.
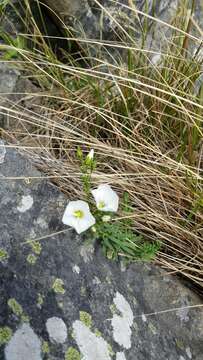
<point x="111" y="352"/>
<point x="152" y="328"/>
<point x="72" y="354"/>
<point x="58" y="286"/>
<point x="3" y="254"/>
<point x="82" y="291"/>
<point x="40" y="300"/>
<point x="5" y="335"/>
<point x="108" y="280"/>
<point x="113" y="308"/>
<point x="98" y="333"/>
<point x="25" y="318"/>
<point x="36" y="247"/>
<point x="60" y="304"/>
<point x="15" y="307"/>
<point x="180" y="344"/>
<point x="45" y="347"/>
<point x="86" y="318"/>
<point x="31" y="258"/>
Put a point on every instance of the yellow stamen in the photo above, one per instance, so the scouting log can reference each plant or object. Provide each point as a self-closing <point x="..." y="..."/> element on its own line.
<point x="101" y="204"/>
<point x="79" y="214"/>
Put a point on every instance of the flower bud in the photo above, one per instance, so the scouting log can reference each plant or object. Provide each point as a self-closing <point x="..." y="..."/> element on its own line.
<point x="106" y="218"/>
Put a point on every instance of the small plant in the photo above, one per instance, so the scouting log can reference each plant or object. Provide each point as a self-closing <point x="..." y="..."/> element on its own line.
<point x="116" y="236"/>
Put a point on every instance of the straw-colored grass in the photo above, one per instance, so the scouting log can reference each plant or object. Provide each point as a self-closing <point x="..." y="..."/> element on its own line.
<point x="143" y="120"/>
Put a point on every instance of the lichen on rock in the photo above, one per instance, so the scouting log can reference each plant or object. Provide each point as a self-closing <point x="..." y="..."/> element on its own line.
<point x="23" y="345"/>
<point x="5" y="334"/>
<point x="56" y="329"/>
<point x="86" y="318"/>
<point x="91" y="346"/>
<point x="31" y="259"/>
<point x="122" y="324"/>
<point x="72" y="354"/>
<point x="15" y="307"/>
<point x="58" y="286"/>
<point x="36" y="247"/>
<point x="3" y="255"/>
<point x="45" y="347"/>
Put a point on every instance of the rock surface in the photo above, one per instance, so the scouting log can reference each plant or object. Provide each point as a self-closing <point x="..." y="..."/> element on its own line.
<point x="109" y="19"/>
<point x="103" y="307"/>
<point x="18" y="97"/>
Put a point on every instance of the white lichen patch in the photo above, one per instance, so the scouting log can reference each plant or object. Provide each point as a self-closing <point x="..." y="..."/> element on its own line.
<point x="96" y="281"/>
<point x="41" y="222"/>
<point x="122" y="324"/>
<point x="25" y="203"/>
<point x="87" y="252"/>
<point x="123" y="266"/>
<point x="2" y="152"/>
<point x="182" y="314"/>
<point x="76" y="269"/>
<point x="57" y="330"/>
<point x="120" y="356"/>
<point x="24" y="345"/>
<point x="188" y="352"/>
<point x="144" y="318"/>
<point x="91" y="346"/>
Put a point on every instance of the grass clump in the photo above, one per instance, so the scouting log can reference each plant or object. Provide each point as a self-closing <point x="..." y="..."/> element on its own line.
<point x="143" y="118"/>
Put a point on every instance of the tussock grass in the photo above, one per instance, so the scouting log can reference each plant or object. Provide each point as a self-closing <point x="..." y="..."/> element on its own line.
<point x="143" y="119"/>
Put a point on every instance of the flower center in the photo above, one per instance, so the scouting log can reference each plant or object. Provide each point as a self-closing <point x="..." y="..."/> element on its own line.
<point x="79" y="214"/>
<point x="101" y="204"/>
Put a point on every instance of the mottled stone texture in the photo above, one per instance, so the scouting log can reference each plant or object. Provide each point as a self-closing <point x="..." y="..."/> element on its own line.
<point x="107" y="19"/>
<point x="15" y="90"/>
<point x="99" y="19"/>
<point x="96" y="298"/>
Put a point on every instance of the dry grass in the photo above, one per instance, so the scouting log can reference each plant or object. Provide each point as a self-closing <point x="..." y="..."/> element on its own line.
<point x="143" y="120"/>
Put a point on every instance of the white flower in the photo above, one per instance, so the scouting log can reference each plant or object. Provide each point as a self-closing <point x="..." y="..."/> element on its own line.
<point x="90" y="156"/>
<point x="77" y="215"/>
<point x="106" y="198"/>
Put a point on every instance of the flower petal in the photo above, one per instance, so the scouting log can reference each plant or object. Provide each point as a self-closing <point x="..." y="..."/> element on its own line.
<point x="79" y="224"/>
<point x="106" y="195"/>
<point x="85" y="223"/>
<point x="90" y="154"/>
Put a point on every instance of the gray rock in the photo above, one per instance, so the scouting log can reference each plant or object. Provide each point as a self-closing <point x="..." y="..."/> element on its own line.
<point x="137" y="312"/>
<point x="2" y="151"/>
<point x="19" y="99"/>
<point x="111" y="20"/>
